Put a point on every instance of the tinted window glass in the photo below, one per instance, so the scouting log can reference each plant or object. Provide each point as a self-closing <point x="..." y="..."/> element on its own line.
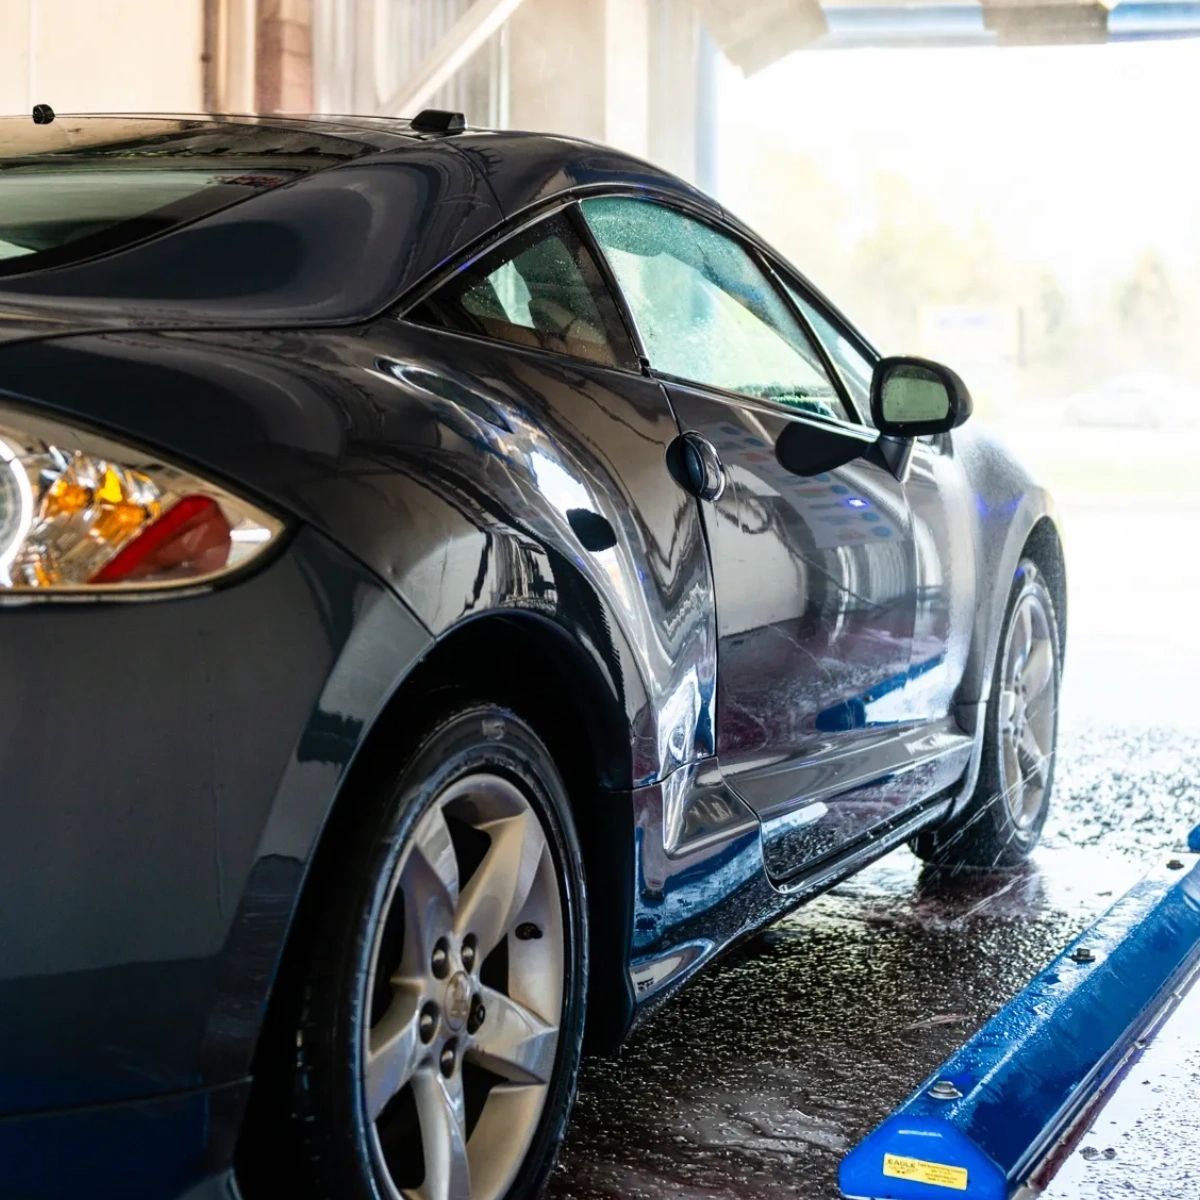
<point x="705" y="310"/>
<point x="52" y="217"/>
<point x="853" y="365"/>
<point x="82" y="187"/>
<point x="540" y="288"/>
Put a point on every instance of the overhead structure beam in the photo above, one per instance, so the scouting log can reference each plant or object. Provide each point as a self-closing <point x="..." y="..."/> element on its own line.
<point x="753" y="36"/>
<point x="1047" y="22"/>
<point x="881" y="24"/>
<point x="461" y="41"/>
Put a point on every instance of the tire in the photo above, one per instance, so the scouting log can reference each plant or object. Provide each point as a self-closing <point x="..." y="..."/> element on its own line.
<point x="429" y="1041"/>
<point x="1002" y="822"/>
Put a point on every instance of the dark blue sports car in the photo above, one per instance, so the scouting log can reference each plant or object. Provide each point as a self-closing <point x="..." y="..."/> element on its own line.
<point x="453" y="584"/>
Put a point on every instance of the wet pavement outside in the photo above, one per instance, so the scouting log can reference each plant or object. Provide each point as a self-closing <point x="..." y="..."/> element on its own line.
<point x="761" y="1074"/>
<point x="1137" y="1145"/>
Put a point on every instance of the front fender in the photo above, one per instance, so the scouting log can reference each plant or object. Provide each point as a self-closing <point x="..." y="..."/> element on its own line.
<point x="1008" y="505"/>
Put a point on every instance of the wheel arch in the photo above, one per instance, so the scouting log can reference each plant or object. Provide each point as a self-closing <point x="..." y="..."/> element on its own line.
<point x="554" y="681"/>
<point x="1044" y="546"/>
<point x="1031" y="530"/>
<point x="529" y="662"/>
<point x="545" y="674"/>
<point x="1039" y="540"/>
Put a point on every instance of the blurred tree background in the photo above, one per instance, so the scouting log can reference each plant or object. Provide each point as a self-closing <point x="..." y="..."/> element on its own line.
<point x="1043" y="239"/>
<point x="904" y="257"/>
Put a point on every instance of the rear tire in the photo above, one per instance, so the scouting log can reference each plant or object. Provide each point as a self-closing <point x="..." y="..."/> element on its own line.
<point x="428" y="1042"/>
<point x="1002" y="822"/>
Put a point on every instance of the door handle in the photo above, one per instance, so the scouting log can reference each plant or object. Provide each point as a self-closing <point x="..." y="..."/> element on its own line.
<point x="699" y="466"/>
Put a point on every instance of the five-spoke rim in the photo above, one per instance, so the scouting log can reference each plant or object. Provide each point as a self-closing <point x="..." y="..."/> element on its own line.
<point x="464" y="996"/>
<point x="1028" y="707"/>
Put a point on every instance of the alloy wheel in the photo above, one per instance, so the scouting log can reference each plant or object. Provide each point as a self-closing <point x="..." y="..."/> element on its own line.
<point x="1028" y="705"/>
<point x="464" y="995"/>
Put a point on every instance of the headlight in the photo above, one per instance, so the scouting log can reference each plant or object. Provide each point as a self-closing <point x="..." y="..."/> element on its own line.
<point x="80" y="513"/>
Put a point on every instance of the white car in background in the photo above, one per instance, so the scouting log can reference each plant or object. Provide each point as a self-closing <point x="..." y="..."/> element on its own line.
<point x="1147" y="400"/>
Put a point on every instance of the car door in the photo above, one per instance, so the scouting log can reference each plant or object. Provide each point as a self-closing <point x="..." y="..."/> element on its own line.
<point x="815" y="572"/>
<point x="939" y="501"/>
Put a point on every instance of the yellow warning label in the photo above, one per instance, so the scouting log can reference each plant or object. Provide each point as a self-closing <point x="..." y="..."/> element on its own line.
<point x="896" y="1166"/>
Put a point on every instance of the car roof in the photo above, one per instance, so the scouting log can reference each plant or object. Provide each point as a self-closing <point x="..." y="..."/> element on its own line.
<point x="376" y="208"/>
<point x="68" y="131"/>
<point x="520" y="166"/>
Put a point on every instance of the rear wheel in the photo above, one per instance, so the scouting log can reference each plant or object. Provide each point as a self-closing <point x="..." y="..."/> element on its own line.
<point x="436" y="1023"/>
<point x="1003" y="820"/>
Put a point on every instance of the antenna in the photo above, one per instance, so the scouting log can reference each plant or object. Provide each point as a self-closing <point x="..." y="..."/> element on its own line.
<point x="437" y="120"/>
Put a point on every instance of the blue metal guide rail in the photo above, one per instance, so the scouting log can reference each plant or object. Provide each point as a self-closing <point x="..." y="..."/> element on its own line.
<point x="998" y="1116"/>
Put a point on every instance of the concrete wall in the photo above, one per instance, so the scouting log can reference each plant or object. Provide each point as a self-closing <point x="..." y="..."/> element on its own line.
<point x="102" y="55"/>
<point x="580" y="67"/>
<point x="621" y="72"/>
<point x="624" y="72"/>
<point x="284" y="78"/>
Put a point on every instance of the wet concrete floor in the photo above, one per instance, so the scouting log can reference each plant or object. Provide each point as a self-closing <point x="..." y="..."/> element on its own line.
<point x="761" y="1074"/>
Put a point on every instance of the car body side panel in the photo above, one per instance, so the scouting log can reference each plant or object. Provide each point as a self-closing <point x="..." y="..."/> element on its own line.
<point x="391" y="447"/>
<point x="976" y="508"/>
<point x="529" y="447"/>
<point x="175" y="1147"/>
<point x="452" y="467"/>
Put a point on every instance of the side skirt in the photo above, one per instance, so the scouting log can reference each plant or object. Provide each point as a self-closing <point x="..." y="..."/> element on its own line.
<point x="696" y="900"/>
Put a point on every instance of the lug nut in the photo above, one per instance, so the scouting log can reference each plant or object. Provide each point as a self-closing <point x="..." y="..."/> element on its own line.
<point x="1083" y="955"/>
<point x="478" y="1013"/>
<point x="468" y="952"/>
<point x="427" y="1022"/>
<point x="440" y="962"/>
<point x="945" y="1090"/>
<point x="446" y="1062"/>
<point x="528" y="932"/>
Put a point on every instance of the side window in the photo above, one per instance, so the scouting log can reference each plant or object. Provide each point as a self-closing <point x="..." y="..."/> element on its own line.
<point x="539" y="288"/>
<point x="854" y="366"/>
<point x="704" y="309"/>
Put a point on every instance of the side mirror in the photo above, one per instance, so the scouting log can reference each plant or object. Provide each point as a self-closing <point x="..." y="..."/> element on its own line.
<point x="913" y="396"/>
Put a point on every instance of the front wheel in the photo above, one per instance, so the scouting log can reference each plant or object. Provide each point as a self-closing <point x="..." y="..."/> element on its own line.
<point x="1003" y="820"/>
<point x="437" y="1017"/>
